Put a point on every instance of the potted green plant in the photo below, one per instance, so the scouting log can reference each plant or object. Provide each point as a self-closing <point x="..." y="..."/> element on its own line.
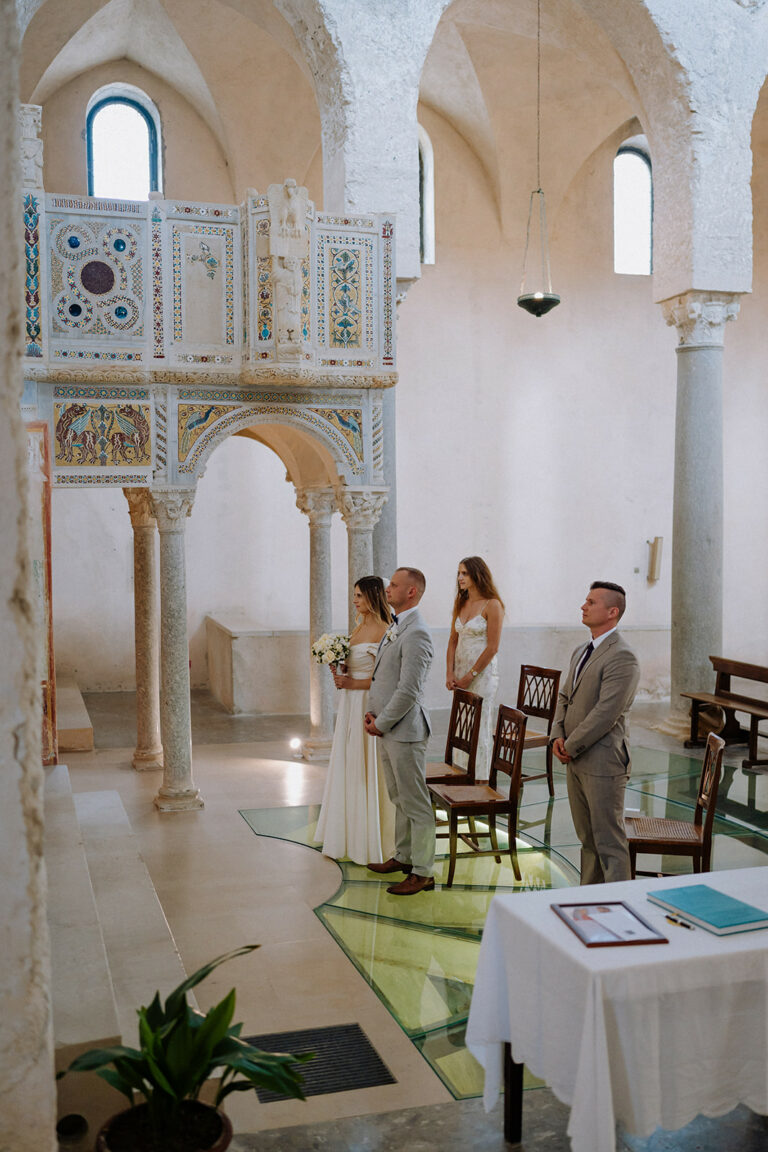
<point x="181" y="1048"/>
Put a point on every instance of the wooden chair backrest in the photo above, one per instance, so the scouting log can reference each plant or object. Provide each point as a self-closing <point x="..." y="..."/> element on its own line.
<point x="508" y="748"/>
<point x="464" y="727"/>
<point x="537" y="692"/>
<point x="711" y="771"/>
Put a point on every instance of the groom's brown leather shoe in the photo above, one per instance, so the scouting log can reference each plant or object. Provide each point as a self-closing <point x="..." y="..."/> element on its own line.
<point x="390" y="865"/>
<point x="411" y="885"/>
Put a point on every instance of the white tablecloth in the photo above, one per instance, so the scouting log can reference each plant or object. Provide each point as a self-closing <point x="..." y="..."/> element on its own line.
<point x="647" y="1034"/>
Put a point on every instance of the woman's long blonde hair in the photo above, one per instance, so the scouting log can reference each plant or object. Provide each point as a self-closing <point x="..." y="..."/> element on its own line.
<point x="480" y="575"/>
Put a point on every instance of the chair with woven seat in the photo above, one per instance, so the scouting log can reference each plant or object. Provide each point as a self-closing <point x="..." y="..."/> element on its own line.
<point x="665" y="837"/>
<point x="463" y="735"/>
<point x="465" y="802"/>
<point x="537" y="697"/>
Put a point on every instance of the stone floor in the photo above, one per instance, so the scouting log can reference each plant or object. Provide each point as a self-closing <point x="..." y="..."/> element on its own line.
<point x="221" y="886"/>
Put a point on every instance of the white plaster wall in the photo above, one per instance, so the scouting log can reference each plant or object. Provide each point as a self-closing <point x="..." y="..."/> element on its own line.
<point x="544" y="445"/>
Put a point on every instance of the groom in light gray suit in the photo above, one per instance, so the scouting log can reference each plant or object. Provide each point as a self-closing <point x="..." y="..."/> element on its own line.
<point x="396" y="713"/>
<point x="590" y="735"/>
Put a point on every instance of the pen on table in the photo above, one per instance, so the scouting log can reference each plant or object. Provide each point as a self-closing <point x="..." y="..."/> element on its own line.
<point x="682" y="923"/>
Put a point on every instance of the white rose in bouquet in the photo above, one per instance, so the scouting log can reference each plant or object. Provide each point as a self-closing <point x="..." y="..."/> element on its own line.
<point x="331" y="648"/>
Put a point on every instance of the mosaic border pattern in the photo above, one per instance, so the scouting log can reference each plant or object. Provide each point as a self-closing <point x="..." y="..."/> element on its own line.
<point x="83" y="392"/>
<point x="387" y="235"/>
<point x="34" y="330"/>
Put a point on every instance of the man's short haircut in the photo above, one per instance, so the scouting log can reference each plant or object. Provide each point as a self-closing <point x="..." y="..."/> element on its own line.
<point x="416" y="576"/>
<point x="618" y="597"/>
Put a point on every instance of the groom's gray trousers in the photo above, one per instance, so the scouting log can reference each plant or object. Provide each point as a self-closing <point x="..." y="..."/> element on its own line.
<point x="404" y="764"/>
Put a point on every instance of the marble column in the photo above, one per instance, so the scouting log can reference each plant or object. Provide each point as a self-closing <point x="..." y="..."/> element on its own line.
<point x="148" y="753"/>
<point x="319" y="504"/>
<point x="385" y="529"/>
<point x="697" y="530"/>
<point x="177" y="792"/>
<point x="360" y="508"/>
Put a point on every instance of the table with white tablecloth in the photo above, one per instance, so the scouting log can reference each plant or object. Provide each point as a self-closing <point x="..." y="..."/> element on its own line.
<point x="649" y="1035"/>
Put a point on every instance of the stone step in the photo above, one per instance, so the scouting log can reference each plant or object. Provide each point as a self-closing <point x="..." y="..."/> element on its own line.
<point x="142" y="954"/>
<point x="83" y="1000"/>
<point x="73" y="723"/>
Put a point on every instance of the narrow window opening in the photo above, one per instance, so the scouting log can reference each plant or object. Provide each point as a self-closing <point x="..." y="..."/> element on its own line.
<point x="632" y="209"/>
<point x="123" y="144"/>
<point x="426" y="198"/>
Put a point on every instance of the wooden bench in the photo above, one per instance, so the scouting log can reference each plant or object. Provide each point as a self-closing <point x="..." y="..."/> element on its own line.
<point x="731" y="703"/>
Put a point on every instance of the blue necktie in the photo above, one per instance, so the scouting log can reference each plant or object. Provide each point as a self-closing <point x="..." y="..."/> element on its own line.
<point x="587" y="653"/>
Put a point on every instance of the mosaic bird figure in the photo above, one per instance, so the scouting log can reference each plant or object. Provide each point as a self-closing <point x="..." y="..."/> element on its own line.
<point x="194" y="420"/>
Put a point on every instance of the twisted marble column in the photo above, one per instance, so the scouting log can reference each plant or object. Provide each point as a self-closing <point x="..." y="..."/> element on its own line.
<point x="177" y="792"/>
<point x="697" y="534"/>
<point x="360" y="508"/>
<point x="149" y="749"/>
<point x="319" y="504"/>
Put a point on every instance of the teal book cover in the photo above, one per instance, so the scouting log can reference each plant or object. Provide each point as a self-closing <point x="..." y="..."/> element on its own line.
<point x="713" y="910"/>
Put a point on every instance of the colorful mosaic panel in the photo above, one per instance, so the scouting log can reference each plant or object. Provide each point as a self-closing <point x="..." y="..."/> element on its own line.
<point x="387" y="236"/>
<point x="348" y="421"/>
<point x="193" y="421"/>
<point x="251" y="396"/>
<point x="305" y="300"/>
<point x="344" y="288"/>
<point x="157" y="285"/>
<point x="229" y="277"/>
<point x="205" y="210"/>
<point x="278" y="414"/>
<point x="92" y="354"/>
<point x="34" y="345"/>
<point x="345" y="297"/>
<point x="114" y="480"/>
<point x="264" y="315"/>
<point x="97" y="278"/>
<point x="98" y="392"/>
<point x="101" y="435"/>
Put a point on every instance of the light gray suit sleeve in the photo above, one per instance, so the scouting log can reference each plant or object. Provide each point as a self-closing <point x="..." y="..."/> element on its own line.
<point x="416" y="659"/>
<point x="617" y="690"/>
<point x="558" y="726"/>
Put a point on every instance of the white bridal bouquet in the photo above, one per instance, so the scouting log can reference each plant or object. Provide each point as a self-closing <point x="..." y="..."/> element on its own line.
<point x="331" y="648"/>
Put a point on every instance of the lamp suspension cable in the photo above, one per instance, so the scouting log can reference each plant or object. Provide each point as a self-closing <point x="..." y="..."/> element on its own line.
<point x="540" y="302"/>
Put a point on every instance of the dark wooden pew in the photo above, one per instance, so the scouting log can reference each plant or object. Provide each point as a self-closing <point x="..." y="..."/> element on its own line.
<point x="731" y="703"/>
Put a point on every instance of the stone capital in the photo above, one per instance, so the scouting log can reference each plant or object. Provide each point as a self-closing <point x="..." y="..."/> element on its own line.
<point x="319" y="504"/>
<point x="700" y="317"/>
<point x="171" y="507"/>
<point x="140" y="507"/>
<point x="361" y="507"/>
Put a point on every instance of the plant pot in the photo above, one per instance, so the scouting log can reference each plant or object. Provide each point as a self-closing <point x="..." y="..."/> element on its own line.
<point x="201" y="1128"/>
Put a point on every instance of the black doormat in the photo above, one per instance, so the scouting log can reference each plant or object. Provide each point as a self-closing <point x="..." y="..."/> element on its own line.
<point x="344" y="1060"/>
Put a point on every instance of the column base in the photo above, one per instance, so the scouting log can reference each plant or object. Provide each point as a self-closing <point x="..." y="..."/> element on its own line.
<point x="147" y="759"/>
<point x="677" y="724"/>
<point x="170" y="801"/>
<point x="316" y="748"/>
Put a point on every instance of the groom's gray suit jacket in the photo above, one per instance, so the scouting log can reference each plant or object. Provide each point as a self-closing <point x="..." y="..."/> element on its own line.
<point x="399" y="676"/>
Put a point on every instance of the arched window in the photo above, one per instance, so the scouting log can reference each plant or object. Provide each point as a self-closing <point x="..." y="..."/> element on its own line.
<point x="426" y="198"/>
<point x="632" y="208"/>
<point x="123" y="142"/>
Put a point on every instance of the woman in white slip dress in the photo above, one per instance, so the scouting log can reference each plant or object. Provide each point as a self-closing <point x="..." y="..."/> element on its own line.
<point x="357" y="818"/>
<point x="472" y="661"/>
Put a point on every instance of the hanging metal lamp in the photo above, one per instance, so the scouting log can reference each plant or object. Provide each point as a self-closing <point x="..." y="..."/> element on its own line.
<point x="541" y="299"/>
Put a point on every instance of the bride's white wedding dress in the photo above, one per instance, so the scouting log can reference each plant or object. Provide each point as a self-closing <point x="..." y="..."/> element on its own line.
<point x="357" y="818"/>
<point x="473" y="638"/>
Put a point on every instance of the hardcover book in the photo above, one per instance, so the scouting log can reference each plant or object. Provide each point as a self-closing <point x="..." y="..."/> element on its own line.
<point x="710" y="909"/>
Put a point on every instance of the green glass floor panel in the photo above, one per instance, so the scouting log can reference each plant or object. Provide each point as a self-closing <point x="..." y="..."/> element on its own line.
<point x="296" y="823"/>
<point x="424" y="978"/>
<point x="446" y="1051"/>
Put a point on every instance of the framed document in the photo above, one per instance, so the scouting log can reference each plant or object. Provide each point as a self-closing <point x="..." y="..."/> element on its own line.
<point x="603" y="925"/>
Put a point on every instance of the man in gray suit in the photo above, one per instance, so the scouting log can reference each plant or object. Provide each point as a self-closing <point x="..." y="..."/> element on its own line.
<point x="590" y="735"/>
<point x="397" y="714"/>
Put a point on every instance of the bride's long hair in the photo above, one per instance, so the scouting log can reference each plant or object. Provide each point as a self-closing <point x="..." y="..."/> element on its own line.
<point x="372" y="587"/>
<point x="480" y="575"/>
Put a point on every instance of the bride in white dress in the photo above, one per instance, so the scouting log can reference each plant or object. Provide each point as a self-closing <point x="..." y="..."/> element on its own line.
<point x="357" y="818"/>
<point x="472" y="661"/>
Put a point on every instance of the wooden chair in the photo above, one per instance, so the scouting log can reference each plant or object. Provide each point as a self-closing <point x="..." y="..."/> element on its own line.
<point x="537" y="696"/>
<point x="666" y="837"/>
<point x="468" y="802"/>
<point x="463" y="735"/>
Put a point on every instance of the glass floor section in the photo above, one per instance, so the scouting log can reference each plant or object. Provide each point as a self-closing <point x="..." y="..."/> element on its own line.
<point x="420" y="956"/>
